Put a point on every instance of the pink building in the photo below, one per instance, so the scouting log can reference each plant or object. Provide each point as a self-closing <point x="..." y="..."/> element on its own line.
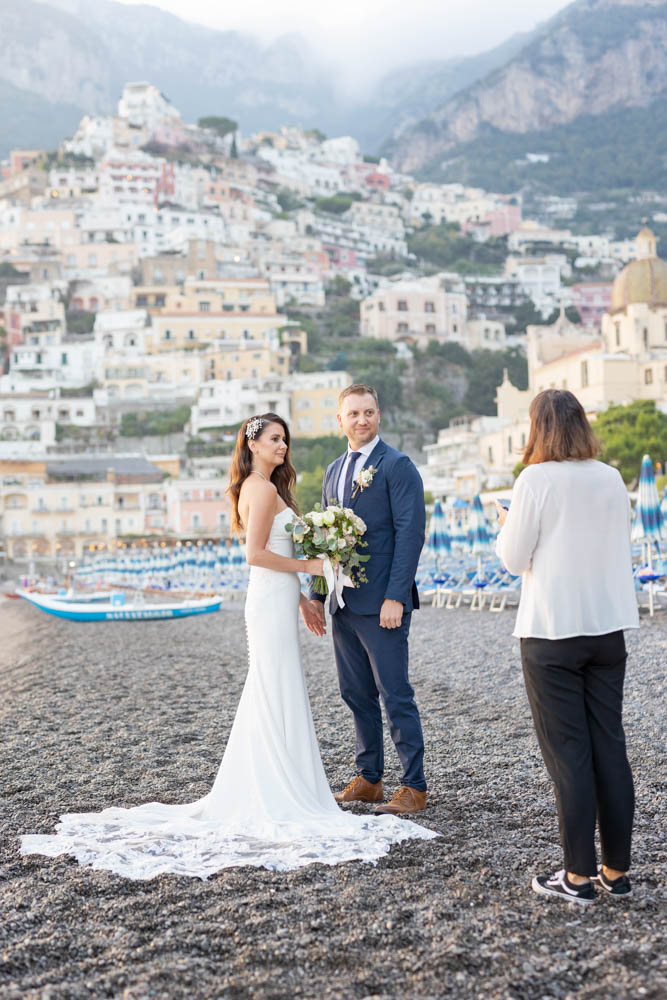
<point x="198" y="507"/>
<point x="341" y="256"/>
<point x="592" y="299"/>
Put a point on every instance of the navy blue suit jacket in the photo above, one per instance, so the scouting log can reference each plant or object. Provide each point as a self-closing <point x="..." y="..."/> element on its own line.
<point x="393" y="509"/>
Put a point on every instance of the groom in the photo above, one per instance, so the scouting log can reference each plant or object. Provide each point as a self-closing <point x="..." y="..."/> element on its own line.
<point x="370" y="633"/>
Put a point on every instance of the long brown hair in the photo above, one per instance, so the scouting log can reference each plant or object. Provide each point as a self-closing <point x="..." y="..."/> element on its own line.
<point x="283" y="476"/>
<point x="559" y="429"/>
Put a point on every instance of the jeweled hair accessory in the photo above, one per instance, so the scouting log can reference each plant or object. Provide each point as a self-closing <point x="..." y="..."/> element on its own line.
<point x="253" y="427"/>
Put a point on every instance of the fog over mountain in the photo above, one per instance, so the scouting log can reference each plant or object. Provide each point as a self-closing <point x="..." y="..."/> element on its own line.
<point x="64" y="58"/>
<point x="69" y="57"/>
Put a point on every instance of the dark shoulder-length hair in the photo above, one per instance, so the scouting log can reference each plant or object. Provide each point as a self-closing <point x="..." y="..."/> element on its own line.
<point x="283" y="476"/>
<point x="559" y="429"/>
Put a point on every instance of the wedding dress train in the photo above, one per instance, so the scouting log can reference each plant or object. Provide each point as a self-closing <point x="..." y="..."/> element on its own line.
<point x="270" y="805"/>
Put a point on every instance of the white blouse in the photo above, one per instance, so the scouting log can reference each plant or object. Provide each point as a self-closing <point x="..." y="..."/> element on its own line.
<point x="567" y="533"/>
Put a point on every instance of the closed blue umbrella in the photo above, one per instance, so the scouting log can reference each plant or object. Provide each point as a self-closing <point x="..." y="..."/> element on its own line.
<point x="649" y="502"/>
<point x="438" y="542"/>
<point x="650" y="517"/>
<point x="480" y="535"/>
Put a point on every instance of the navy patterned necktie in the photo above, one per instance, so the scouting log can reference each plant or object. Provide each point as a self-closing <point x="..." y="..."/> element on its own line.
<point x="349" y="474"/>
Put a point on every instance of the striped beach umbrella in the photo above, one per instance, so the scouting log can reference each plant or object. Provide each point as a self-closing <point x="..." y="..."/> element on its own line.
<point x="649" y="503"/>
<point x="479" y="532"/>
<point x="438" y="541"/>
<point x="649" y="527"/>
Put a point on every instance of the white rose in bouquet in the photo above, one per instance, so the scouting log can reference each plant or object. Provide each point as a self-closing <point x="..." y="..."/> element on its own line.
<point x="335" y="536"/>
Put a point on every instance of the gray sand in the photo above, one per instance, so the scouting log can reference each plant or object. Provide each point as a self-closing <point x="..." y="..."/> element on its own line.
<point x="122" y="713"/>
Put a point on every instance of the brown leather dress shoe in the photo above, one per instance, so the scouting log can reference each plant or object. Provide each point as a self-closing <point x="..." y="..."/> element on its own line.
<point x="360" y="790"/>
<point x="405" y="800"/>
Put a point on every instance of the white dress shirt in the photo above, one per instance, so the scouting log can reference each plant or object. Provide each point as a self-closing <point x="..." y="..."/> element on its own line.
<point x="365" y="451"/>
<point x="568" y="534"/>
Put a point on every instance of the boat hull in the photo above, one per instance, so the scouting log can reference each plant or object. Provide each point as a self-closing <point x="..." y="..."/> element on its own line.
<point x="109" y="612"/>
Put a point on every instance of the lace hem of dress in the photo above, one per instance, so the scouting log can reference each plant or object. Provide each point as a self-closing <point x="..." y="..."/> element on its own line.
<point x="141" y="852"/>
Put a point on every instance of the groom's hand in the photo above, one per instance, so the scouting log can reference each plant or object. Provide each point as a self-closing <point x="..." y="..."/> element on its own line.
<point x="313" y="616"/>
<point x="391" y="614"/>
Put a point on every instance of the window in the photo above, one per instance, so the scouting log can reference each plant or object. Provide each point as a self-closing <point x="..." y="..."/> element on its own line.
<point x="648" y="376"/>
<point x="63" y="359"/>
<point x="159" y="300"/>
<point x="584" y="374"/>
<point x="429" y="307"/>
<point x="166" y="335"/>
<point x="381" y="309"/>
<point x="191" y="334"/>
<point x="509" y="444"/>
<point x="455" y="328"/>
<point x="303" y="404"/>
<point x="92" y="260"/>
<point x="430" y="327"/>
<point x="204" y="307"/>
<point x="401" y="328"/>
<point x="196" y="520"/>
<point x="645" y="337"/>
<point x="617" y="330"/>
<point x="402" y="305"/>
<point x="490" y="455"/>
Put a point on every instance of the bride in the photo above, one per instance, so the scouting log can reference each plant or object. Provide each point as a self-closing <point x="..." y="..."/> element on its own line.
<point x="270" y="805"/>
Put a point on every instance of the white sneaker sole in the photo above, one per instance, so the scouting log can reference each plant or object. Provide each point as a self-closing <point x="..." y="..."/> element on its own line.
<point x="608" y="893"/>
<point x="542" y="891"/>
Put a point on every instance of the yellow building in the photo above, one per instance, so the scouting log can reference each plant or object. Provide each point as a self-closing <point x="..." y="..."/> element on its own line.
<point x="314" y="402"/>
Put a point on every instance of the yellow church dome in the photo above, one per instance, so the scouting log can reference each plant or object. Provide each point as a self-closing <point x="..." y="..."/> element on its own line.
<point x="644" y="279"/>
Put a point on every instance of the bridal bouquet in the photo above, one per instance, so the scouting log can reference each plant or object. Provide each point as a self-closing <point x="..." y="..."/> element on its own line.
<point x="333" y="534"/>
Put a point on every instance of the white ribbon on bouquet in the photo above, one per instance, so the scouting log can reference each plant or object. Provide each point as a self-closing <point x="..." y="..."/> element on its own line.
<point x="336" y="580"/>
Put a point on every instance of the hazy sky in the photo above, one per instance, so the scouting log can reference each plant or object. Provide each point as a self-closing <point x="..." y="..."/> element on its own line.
<point x="365" y="37"/>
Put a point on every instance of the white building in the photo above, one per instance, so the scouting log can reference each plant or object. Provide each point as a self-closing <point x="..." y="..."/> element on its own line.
<point x="539" y="278"/>
<point x="221" y="403"/>
<point x="145" y="106"/>
<point x="485" y="334"/>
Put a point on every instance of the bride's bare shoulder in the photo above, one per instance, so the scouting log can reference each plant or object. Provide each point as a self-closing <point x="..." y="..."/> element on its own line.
<point x="258" y="494"/>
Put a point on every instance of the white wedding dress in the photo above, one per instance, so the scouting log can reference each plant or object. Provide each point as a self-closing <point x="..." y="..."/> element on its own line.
<point x="270" y="805"/>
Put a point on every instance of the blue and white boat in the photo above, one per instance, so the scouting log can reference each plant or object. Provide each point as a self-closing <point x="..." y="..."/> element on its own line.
<point x="117" y="610"/>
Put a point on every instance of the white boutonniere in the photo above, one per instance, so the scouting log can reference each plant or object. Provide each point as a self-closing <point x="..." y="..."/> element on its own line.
<point x="364" y="479"/>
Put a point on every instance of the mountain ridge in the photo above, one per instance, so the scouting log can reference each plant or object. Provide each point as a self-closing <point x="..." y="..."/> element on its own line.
<point x="81" y="54"/>
<point x="593" y="56"/>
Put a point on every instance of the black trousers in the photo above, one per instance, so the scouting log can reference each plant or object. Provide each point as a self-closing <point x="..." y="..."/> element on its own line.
<point x="575" y="690"/>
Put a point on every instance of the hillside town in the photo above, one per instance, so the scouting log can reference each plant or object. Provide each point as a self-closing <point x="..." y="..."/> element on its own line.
<point x="152" y="266"/>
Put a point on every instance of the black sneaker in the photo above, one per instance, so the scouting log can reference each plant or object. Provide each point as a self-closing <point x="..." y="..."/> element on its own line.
<point x="614" y="887"/>
<point x="560" y="886"/>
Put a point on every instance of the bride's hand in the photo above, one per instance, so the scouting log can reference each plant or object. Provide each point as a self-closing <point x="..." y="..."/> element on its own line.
<point x="315" y="567"/>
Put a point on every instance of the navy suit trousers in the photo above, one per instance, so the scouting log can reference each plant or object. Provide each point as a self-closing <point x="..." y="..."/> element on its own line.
<point x="372" y="662"/>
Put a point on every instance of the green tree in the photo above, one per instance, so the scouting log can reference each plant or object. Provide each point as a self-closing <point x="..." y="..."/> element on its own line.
<point x="79" y="321"/>
<point x="288" y="201"/>
<point x="445" y="248"/>
<point x="155" y="422"/>
<point x="486" y="374"/>
<point x="334" y="204"/>
<point x="311" y="454"/>
<point x="308" y="490"/>
<point x="627" y="433"/>
<point x="8" y="270"/>
<point x="219" y="124"/>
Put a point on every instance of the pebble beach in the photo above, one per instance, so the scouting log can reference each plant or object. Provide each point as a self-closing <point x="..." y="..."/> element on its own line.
<point x="119" y="713"/>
